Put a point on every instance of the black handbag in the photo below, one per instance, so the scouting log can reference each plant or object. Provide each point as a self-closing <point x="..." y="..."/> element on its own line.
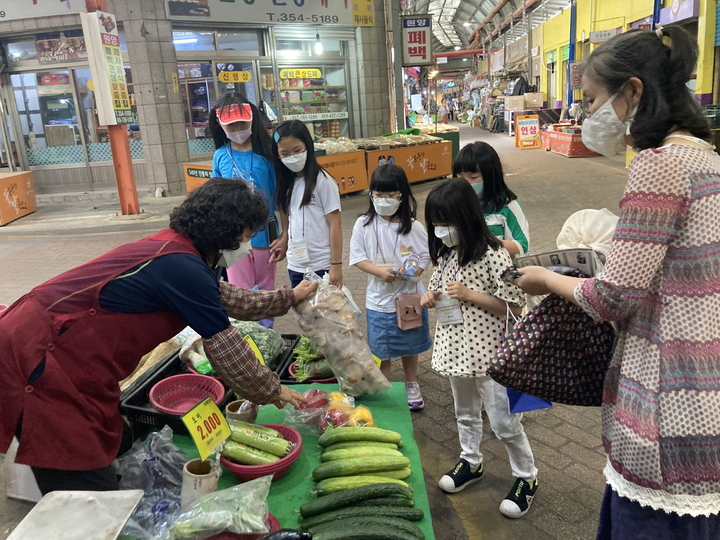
<point x="556" y="352"/>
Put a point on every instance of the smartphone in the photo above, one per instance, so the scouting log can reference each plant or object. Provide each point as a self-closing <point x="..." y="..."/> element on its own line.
<point x="509" y="274"/>
<point x="272" y="230"/>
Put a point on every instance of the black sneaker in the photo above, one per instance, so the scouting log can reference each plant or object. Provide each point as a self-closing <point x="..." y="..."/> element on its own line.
<point x="460" y="477"/>
<point x="518" y="501"/>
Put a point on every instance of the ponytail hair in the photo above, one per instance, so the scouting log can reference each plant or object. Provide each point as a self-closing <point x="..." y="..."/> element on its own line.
<point x="664" y="60"/>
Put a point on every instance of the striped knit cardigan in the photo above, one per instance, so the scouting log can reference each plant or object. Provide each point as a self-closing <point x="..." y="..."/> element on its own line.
<point x="661" y="405"/>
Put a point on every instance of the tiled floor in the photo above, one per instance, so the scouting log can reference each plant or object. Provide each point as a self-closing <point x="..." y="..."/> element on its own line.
<point x="565" y="440"/>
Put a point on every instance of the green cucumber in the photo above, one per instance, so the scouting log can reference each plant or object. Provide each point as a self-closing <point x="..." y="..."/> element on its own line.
<point x="354" y="444"/>
<point x="273" y="445"/>
<point x="364" y="512"/>
<point x="402" y="525"/>
<point x="354" y="495"/>
<point x="359" y="465"/>
<point x="332" y="485"/>
<point x="344" y="434"/>
<point x="399" y="474"/>
<point x="246" y="455"/>
<point x="387" y="501"/>
<point x="371" y="532"/>
<point x="237" y="424"/>
<point x="359" y="451"/>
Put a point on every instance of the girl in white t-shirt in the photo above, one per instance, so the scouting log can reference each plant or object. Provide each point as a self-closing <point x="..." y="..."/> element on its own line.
<point x="386" y="240"/>
<point x="472" y="304"/>
<point x="310" y="198"/>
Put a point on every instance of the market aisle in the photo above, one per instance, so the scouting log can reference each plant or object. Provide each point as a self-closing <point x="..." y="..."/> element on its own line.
<point x="566" y="440"/>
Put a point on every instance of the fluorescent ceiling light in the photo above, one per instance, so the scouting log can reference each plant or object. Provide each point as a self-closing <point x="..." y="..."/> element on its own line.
<point x="184" y="40"/>
<point x="466" y="24"/>
<point x="457" y="47"/>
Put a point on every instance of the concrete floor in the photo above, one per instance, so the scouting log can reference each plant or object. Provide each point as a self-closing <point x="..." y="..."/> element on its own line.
<point x="565" y="440"/>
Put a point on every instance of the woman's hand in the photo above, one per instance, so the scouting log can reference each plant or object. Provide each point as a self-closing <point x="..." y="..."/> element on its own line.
<point x="458" y="291"/>
<point x="304" y="289"/>
<point x="428" y="299"/>
<point x="278" y="249"/>
<point x="533" y="280"/>
<point x="288" y="395"/>
<point x="336" y="275"/>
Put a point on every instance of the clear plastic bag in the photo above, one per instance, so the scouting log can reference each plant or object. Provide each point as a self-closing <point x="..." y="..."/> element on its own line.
<point x="241" y="509"/>
<point x="156" y="467"/>
<point x="329" y="319"/>
<point x="268" y="341"/>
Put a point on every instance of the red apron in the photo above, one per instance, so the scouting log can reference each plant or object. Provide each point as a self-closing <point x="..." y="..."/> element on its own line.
<point x="70" y="415"/>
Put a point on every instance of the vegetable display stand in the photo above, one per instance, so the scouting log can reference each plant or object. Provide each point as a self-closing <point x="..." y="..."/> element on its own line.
<point x="288" y="493"/>
<point x="420" y="162"/>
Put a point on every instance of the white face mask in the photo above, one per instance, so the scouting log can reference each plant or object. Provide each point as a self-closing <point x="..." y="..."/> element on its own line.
<point x="228" y="257"/>
<point x="239" y="136"/>
<point x="604" y="132"/>
<point x="386" y="207"/>
<point x="448" y="235"/>
<point x="295" y="163"/>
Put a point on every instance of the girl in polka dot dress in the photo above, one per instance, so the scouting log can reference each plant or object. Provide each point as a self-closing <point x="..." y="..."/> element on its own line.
<point x="471" y="302"/>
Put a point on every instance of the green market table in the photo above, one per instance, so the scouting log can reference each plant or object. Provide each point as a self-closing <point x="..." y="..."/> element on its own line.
<point x="288" y="493"/>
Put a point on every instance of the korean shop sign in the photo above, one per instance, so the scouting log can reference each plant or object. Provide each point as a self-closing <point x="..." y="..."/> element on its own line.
<point x="344" y="12"/>
<point x="417" y="40"/>
<point x="309" y="73"/>
<point x="106" y="66"/>
<point x="234" y="76"/>
<point x="25" y="9"/>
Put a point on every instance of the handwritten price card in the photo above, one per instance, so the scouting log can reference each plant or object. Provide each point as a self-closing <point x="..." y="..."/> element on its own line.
<point x="207" y="426"/>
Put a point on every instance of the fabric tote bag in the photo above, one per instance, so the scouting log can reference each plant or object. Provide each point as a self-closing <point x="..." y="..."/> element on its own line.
<point x="517" y="401"/>
<point x="556" y="352"/>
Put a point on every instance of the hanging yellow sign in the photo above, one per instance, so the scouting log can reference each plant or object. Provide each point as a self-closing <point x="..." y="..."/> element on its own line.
<point x="234" y="76"/>
<point x="363" y="12"/>
<point x="311" y="73"/>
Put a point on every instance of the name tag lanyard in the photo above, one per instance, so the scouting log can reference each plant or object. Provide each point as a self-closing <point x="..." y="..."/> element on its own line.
<point x="300" y="251"/>
<point x="378" y="250"/>
<point x="442" y="273"/>
<point x="237" y="173"/>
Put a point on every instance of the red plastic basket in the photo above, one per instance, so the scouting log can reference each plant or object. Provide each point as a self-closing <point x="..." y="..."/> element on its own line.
<point x="273" y="523"/>
<point x="277" y="469"/>
<point x="178" y="394"/>
<point x="291" y="371"/>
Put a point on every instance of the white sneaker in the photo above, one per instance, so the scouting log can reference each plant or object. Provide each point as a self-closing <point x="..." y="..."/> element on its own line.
<point x="414" y="397"/>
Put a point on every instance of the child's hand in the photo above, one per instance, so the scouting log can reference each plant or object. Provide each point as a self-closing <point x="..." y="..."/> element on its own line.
<point x="458" y="291"/>
<point x="336" y="275"/>
<point x="428" y="299"/>
<point x="385" y="273"/>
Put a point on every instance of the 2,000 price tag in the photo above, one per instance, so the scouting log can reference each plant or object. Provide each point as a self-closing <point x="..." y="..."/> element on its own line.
<point x="207" y="426"/>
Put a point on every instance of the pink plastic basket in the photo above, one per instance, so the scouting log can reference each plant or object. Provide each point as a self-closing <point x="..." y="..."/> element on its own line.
<point x="277" y="469"/>
<point x="291" y="371"/>
<point x="178" y="394"/>
<point x="272" y="522"/>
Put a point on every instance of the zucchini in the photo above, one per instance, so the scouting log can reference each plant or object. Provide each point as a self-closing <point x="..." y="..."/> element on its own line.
<point x="351" y="496"/>
<point x="399" y="474"/>
<point x="273" y="445"/>
<point x="358" y="523"/>
<point x="237" y="424"/>
<point x="354" y="444"/>
<point x="332" y="485"/>
<point x="364" y="512"/>
<point x="387" y="501"/>
<point x="358" y="451"/>
<point x="246" y="455"/>
<point x="343" y="434"/>
<point x="359" y="465"/>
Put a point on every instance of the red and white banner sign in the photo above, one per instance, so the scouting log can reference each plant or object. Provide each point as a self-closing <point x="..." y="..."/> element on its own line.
<point x="417" y="40"/>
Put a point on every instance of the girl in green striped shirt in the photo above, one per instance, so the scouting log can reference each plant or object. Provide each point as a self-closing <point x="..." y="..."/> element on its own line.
<point x="480" y="165"/>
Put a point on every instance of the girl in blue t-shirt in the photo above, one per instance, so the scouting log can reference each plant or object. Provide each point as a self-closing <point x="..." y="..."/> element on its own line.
<point x="244" y="152"/>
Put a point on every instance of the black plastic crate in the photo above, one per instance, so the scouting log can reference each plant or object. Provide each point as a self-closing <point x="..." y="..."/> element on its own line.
<point x="147" y="374"/>
<point x="143" y="417"/>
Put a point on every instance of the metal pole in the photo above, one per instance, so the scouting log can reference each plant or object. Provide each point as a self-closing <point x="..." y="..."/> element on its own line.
<point x="657" y="6"/>
<point x="571" y="50"/>
<point x="528" y="26"/>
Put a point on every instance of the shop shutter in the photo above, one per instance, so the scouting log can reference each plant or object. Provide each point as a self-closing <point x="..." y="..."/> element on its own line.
<point x="565" y="53"/>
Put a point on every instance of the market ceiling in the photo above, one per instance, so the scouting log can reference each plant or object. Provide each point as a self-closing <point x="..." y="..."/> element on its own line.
<point x="459" y="24"/>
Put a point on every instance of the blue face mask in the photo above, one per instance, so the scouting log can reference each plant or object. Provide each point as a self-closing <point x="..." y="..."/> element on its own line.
<point x="478" y="189"/>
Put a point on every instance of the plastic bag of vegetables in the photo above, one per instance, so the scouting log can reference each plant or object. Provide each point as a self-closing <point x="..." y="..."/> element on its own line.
<point x="241" y="509"/>
<point x="329" y="319"/>
<point x="310" y="363"/>
<point x="268" y="341"/>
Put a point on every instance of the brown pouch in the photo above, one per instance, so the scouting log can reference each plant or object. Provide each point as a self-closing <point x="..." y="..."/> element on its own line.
<point x="409" y="311"/>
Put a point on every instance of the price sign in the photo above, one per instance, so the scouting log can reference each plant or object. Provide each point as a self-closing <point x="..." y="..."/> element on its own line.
<point x="207" y="426"/>
<point x="234" y="76"/>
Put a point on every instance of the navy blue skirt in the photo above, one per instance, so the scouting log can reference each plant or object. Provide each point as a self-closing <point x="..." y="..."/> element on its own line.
<point x="387" y="341"/>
